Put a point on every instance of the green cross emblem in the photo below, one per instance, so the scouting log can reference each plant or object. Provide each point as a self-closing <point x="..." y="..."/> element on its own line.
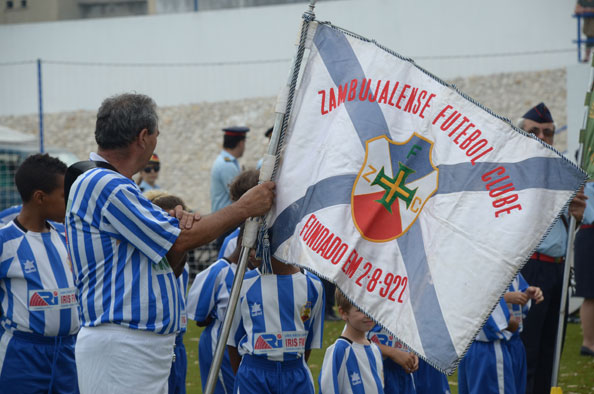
<point x="395" y="187"/>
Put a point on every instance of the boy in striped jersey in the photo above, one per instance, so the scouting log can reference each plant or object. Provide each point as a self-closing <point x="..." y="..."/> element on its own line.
<point x="519" y="298"/>
<point x="399" y="363"/>
<point x="487" y="368"/>
<point x="179" y="367"/>
<point x="126" y="254"/>
<point x="209" y="295"/>
<point x="353" y="364"/>
<point x="279" y="319"/>
<point x="39" y="308"/>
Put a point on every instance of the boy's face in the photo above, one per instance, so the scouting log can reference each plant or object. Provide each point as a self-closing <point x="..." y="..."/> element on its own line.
<point x="357" y="319"/>
<point x="53" y="202"/>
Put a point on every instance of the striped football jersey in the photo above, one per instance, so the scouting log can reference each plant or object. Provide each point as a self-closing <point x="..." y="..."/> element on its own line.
<point x="37" y="289"/>
<point x="495" y="327"/>
<point x="117" y="240"/>
<point x="279" y="316"/>
<point x="352" y="368"/>
<point x="209" y="294"/>
<point x="519" y="311"/>
<point x="182" y="281"/>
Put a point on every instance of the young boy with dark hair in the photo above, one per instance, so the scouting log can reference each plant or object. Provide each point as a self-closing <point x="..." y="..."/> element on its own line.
<point x="39" y="299"/>
<point x="352" y="364"/>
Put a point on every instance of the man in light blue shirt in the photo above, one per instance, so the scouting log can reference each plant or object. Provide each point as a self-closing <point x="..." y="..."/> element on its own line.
<point x="226" y="167"/>
<point x="545" y="270"/>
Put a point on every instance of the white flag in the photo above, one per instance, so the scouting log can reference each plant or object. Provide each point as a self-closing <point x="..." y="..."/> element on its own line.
<point x="418" y="203"/>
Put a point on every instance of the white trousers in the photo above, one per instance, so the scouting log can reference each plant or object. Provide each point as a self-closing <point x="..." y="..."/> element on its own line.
<point x="115" y="359"/>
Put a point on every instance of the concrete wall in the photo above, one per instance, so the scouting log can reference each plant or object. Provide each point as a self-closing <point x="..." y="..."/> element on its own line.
<point x="245" y="53"/>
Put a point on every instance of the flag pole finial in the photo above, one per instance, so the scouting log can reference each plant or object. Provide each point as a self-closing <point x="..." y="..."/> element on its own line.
<point x="309" y="14"/>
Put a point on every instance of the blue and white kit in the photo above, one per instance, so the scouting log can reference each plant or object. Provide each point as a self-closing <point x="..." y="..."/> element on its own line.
<point x="229" y="244"/>
<point x="179" y="367"/>
<point x="396" y="379"/>
<point x="117" y="240"/>
<point x="279" y="318"/>
<point x="352" y="368"/>
<point x="39" y="312"/>
<point x="487" y="368"/>
<point x="515" y="344"/>
<point x="129" y="296"/>
<point x="208" y="298"/>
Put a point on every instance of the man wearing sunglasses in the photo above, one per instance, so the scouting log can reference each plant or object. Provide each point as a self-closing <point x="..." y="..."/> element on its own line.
<point x="148" y="176"/>
<point x="545" y="270"/>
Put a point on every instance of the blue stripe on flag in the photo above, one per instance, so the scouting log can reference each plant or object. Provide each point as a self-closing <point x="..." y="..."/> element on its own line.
<point x="368" y="119"/>
<point x="343" y="66"/>
<point x="537" y="172"/>
<point x="326" y="193"/>
<point x="432" y="328"/>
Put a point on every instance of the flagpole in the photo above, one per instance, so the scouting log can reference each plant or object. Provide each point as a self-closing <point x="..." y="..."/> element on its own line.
<point x="568" y="261"/>
<point x="267" y="171"/>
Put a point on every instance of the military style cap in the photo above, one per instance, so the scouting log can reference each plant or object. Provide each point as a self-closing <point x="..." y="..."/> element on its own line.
<point x="236" y="130"/>
<point x="539" y="114"/>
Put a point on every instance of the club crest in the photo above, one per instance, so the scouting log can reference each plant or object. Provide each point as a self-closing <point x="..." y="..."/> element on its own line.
<point x="392" y="187"/>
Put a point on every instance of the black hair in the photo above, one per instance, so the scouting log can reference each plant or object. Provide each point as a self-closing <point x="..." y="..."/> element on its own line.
<point x="121" y="118"/>
<point x="38" y="172"/>
<point x="231" y="141"/>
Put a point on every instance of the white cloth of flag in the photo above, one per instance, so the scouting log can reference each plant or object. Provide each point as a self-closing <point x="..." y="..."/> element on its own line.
<point x="419" y="204"/>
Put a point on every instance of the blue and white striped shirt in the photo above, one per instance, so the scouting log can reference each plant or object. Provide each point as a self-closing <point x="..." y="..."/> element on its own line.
<point x="209" y="295"/>
<point x="519" y="311"/>
<point x="279" y="317"/>
<point x="8" y="214"/>
<point x="182" y="281"/>
<point x="495" y="327"/>
<point x="350" y="368"/>
<point x="117" y="240"/>
<point x="37" y="290"/>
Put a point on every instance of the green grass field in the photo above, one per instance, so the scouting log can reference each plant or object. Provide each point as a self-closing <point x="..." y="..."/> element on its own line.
<point x="576" y="375"/>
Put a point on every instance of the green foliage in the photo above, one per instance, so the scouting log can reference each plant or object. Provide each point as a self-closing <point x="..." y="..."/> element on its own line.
<point x="576" y="375"/>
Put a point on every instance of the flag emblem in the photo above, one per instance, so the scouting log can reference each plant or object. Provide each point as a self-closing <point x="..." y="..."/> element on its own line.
<point x="393" y="184"/>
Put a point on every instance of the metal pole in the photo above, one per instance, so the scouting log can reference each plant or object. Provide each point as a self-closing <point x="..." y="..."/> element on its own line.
<point x="579" y="38"/>
<point x="251" y="228"/>
<point x="568" y="261"/>
<point x="40" y="100"/>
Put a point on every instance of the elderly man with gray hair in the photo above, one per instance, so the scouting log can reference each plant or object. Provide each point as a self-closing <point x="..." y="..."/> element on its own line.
<point x="126" y="254"/>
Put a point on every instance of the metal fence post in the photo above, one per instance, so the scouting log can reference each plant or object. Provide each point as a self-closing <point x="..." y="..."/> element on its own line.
<point x="40" y="100"/>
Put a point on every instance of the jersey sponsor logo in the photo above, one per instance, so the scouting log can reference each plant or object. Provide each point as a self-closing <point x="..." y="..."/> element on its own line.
<point x="29" y="267"/>
<point x="52" y="299"/>
<point x="265" y="342"/>
<point x="305" y="311"/>
<point x="383" y="339"/>
<point x="256" y="309"/>
<point x="392" y="187"/>
<point x="355" y="379"/>
<point x="286" y="341"/>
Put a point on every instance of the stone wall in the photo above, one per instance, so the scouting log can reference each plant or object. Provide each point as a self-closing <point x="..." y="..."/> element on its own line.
<point x="191" y="138"/>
